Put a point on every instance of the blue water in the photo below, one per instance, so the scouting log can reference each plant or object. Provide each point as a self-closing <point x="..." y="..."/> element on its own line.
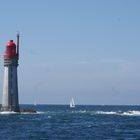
<point x="59" y="122"/>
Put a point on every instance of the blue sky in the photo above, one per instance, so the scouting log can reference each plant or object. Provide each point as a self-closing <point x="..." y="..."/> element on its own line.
<point x="86" y="49"/>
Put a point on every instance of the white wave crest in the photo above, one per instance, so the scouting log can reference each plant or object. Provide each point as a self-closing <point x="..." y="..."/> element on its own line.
<point x="22" y="113"/>
<point x="8" y="112"/>
<point x="127" y="113"/>
<point x="106" y="112"/>
<point x="38" y="112"/>
<point x="131" y="113"/>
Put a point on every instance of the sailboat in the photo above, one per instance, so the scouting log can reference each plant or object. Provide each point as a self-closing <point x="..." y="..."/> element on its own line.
<point x="72" y="104"/>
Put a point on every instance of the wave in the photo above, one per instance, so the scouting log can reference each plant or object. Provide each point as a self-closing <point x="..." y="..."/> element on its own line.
<point x="38" y="112"/>
<point x="22" y="113"/>
<point x="8" y="112"/>
<point x="127" y="113"/>
<point x="106" y="112"/>
<point x="121" y="113"/>
<point x="132" y="113"/>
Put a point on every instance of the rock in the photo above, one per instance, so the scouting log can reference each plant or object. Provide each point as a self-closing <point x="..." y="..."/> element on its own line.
<point x="28" y="110"/>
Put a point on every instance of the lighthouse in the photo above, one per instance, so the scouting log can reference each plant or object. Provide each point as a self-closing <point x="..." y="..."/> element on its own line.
<point x="10" y="100"/>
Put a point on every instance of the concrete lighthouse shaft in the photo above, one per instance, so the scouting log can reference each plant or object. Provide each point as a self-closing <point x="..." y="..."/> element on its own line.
<point x="10" y="100"/>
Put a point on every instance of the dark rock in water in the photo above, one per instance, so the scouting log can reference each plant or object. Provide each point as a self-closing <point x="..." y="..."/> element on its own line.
<point x="28" y="110"/>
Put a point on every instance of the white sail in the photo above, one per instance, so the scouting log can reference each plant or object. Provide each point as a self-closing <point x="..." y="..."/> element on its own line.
<point x="72" y="104"/>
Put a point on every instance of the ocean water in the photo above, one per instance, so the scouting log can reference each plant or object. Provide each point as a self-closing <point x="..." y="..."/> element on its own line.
<point x="59" y="122"/>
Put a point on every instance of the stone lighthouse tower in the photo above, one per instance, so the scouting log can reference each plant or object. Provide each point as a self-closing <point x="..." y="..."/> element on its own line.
<point x="10" y="84"/>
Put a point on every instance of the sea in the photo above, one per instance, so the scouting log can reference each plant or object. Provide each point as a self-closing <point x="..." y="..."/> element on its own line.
<point x="60" y="122"/>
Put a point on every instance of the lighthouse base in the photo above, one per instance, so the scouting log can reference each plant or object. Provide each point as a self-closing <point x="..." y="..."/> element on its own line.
<point x="9" y="109"/>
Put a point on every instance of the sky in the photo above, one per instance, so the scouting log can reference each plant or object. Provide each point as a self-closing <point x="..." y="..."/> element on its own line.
<point x="85" y="49"/>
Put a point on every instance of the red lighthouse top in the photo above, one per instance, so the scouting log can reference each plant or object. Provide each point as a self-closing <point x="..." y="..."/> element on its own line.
<point x="10" y="50"/>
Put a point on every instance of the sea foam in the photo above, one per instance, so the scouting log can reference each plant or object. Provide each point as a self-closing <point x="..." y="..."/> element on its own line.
<point x="127" y="113"/>
<point x="8" y="112"/>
